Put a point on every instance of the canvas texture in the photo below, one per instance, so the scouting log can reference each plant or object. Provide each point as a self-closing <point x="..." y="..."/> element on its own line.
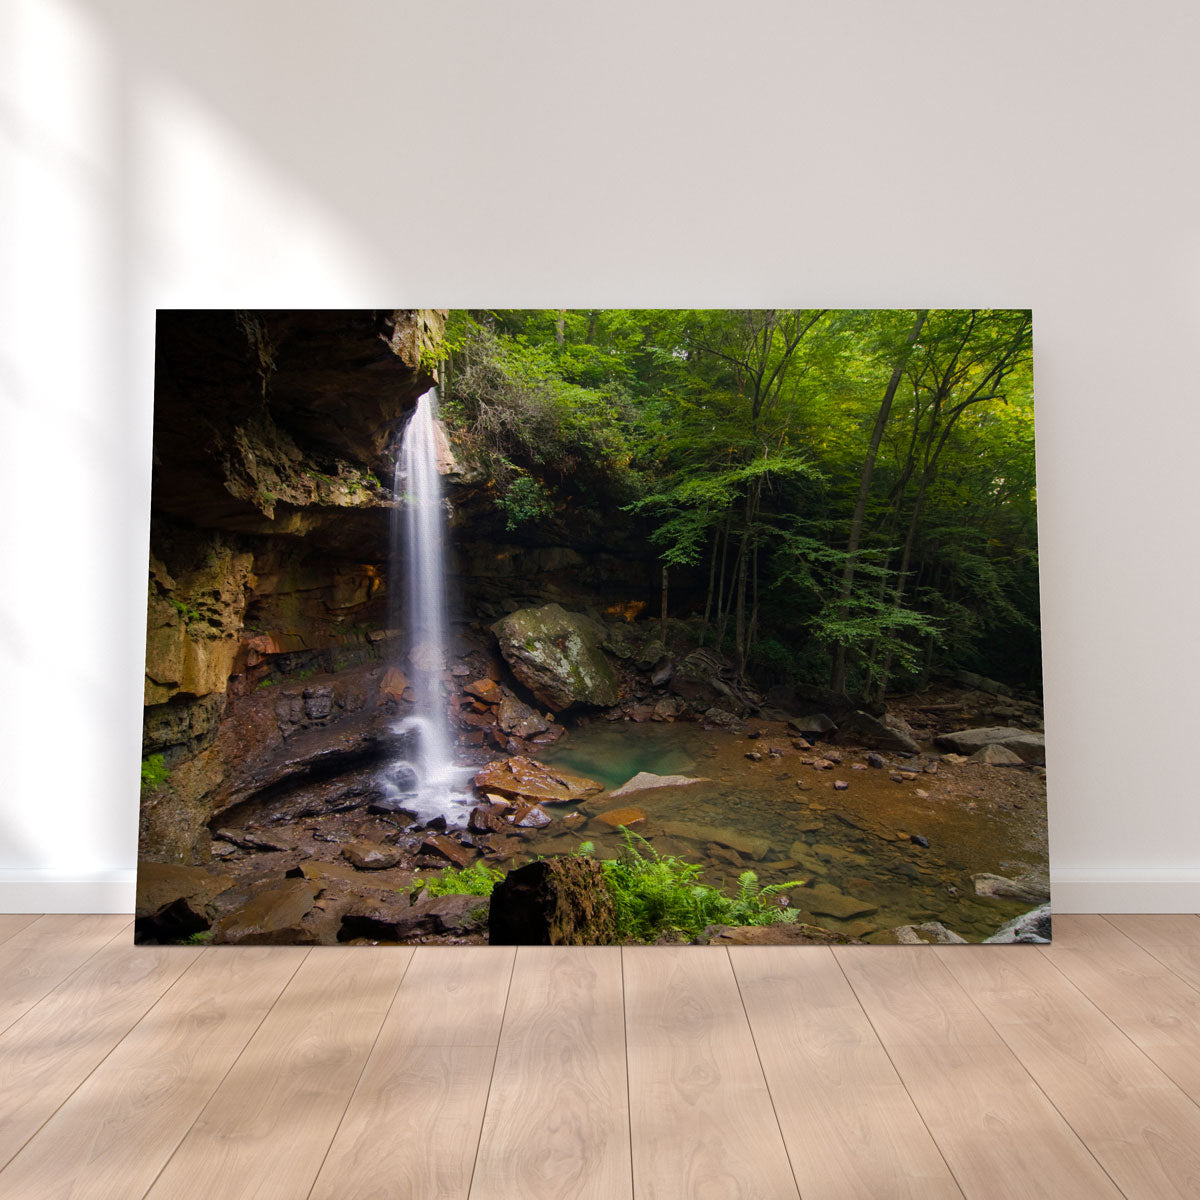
<point x="593" y="627"/>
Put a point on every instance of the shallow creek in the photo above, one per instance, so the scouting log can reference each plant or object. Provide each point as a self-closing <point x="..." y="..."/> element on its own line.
<point x="784" y="819"/>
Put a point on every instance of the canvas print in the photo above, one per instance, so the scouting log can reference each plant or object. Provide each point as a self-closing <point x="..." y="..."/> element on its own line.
<point x="593" y="627"/>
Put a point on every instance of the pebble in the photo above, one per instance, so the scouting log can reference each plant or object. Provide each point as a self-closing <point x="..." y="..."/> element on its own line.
<point x="754" y="755"/>
<point x="921" y="794"/>
<point x="858" y="766"/>
<point x="918" y="840"/>
<point x="875" y="760"/>
<point x="840" y="785"/>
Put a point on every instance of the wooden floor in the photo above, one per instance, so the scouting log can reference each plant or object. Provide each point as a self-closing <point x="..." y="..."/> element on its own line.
<point x="1064" y="1071"/>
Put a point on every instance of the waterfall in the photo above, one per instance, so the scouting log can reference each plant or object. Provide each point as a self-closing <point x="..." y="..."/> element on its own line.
<point x="426" y="781"/>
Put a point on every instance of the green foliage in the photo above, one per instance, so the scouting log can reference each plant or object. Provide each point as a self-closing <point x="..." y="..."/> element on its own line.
<point x="735" y="441"/>
<point x="155" y="773"/>
<point x="188" y="612"/>
<point x="525" y="499"/>
<point x="655" y="894"/>
<point x="265" y="683"/>
<point x="476" y="880"/>
<point x="200" y="938"/>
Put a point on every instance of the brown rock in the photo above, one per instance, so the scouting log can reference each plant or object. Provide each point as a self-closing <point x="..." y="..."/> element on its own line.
<point x="529" y="816"/>
<point x="486" y="818"/>
<point x="397" y="920"/>
<point x="487" y="690"/>
<point x="519" y="719"/>
<point x="744" y="843"/>
<point x="827" y="901"/>
<point x="369" y="856"/>
<point x="615" y="817"/>
<point x="272" y="916"/>
<point x="394" y="684"/>
<point x="175" y="901"/>
<point x="448" y="848"/>
<point x="527" y="779"/>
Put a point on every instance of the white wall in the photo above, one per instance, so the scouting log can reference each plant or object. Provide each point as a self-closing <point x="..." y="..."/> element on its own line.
<point x="637" y="152"/>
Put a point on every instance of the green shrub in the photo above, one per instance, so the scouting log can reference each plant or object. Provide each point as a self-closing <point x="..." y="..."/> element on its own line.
<point x="155" y="772"/>
<point x="476" y="880"/>
<point x="656" y="894"/>
<point x="525" y="499"/>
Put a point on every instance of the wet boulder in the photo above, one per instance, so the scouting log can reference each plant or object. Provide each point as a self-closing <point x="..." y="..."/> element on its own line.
<point x="522" y="778"/>
<point x="645" y="781"/>
<point x="995" y="755"/>
<point x="557" y="655"/>
<point x="878" y="733"/>
<point x="928" y="933"/>
<point x="1033" y="926"/>
<point x="369" y="856"/>
<point x="519" y="719"/>
<point x="1029" y="747"/>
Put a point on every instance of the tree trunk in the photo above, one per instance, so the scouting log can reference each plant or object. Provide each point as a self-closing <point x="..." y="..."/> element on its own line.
<point x="838" y="675"/>
<point x="662" y="637"/>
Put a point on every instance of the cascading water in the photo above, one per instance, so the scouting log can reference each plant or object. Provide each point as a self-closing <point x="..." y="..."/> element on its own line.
<point x="426" y="781"/>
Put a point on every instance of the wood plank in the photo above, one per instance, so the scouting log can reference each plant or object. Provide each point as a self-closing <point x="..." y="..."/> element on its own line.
<point x="113" y="1136"/>
<point x="998" y="1132"/>
<point x="39" y="956"/>
<point x="11" y="923"/>
<point x="266" y="1129"/>
<point x="557" y="1121"/>
<point x="1154" y="1007"/>
<point x="1140" y="1127"/>
<point x="412" y="1127"/>
<point x="700" y="1114"/>
<point x="850" y="1126"/>
<point x="47" y="1053"/>
<point x="1173" y="938"/>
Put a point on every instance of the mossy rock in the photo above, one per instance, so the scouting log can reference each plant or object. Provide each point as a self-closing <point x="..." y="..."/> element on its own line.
<point x="553" y="902"/>
<point x="557" y="655"/>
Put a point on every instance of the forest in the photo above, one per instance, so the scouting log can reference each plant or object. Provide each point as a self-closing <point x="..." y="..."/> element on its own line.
<point x="847" y="497"/>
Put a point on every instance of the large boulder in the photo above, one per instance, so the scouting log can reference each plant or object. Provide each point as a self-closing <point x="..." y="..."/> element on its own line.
<point x="553" y="902"/>
<point x="1030" y="747"/>
<point x="645" y="781"/>
<point x="557" y="655"/>
<point x="878" y="733"/>
<point x="1033" y="926"/>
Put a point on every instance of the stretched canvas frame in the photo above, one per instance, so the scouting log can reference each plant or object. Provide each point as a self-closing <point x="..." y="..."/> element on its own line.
<point x="709" y="627"/>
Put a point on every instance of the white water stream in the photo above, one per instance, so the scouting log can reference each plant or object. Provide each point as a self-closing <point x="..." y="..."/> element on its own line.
<point x="426" y="781"/>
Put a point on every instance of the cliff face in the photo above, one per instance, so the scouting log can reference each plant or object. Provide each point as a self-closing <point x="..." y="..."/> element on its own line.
<point x="267" y="610"/>
<point x="270" y="517"/>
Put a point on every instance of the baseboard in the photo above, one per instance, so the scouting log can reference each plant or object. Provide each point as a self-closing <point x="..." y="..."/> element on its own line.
<point x="49" y="891"/>
<point x="1125" y="889"/>
<point x="1075" y="890"/>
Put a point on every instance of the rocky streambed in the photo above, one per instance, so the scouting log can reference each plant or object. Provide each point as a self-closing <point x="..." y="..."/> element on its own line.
<point x="900" y="827"/>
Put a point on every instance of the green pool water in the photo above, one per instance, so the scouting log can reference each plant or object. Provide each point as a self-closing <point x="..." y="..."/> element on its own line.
<point x="612" y="753"/>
